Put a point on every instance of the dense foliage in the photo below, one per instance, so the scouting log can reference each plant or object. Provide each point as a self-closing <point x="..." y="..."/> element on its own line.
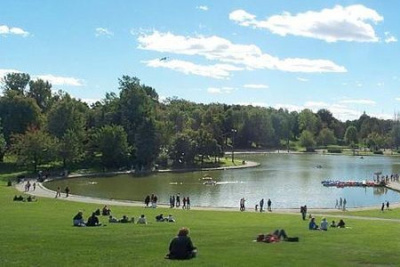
<point x="134" y="129"/>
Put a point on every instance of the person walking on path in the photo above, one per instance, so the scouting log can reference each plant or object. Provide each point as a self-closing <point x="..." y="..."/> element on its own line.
<point x="67" y="191"/>
<point x="383" y="206"/>
<point x="337" y="204"/>
<point x="261" y="205"/>
<point x="344" y="203"/>
<point x="340" y="203"/>
<point x="58" y="193"/>
<point x="387" y="205"/>
<point x="269" y="203"/>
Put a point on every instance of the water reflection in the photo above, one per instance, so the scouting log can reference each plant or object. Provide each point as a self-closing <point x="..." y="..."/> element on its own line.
<point x="289" y="180"/>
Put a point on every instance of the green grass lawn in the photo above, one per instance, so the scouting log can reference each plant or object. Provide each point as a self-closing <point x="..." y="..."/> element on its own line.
<point x="41" y="234"/>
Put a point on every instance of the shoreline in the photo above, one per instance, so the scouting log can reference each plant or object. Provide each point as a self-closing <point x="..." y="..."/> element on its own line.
<point x="42" y="191"/>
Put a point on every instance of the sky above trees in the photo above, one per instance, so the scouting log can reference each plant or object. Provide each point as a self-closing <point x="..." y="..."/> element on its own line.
<point x="338" y="55"/>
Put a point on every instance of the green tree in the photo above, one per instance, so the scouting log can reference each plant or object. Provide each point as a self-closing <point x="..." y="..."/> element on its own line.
<point x="17" y="113"/>
<point x="350" y="137"/>
<point x="70" y="148"/>
<point x="40" y="91"/>
<point x="3" y="144"/>
<point x="395" y="132"/>
<point x="34" y="148"/>
<point x="147" y="145"/>
<point x="67" y="114"/>
<point x="307" y="140"/>
<point x="309" y="121"/>
<point x="15" y="82"/>
<point x="110" y="141"/>
<point x="326" y="137"/>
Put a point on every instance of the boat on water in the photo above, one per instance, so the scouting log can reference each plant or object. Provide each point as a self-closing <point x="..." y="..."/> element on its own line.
<point x="210" y="182"/>
<point x="341" y="184"/>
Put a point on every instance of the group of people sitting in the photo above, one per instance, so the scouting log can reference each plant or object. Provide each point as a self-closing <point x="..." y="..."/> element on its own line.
<point x="79" y="221"/>
<point x="160" y="218"/>
<point x="21" y="198"/>
<point x="324" y="224"/>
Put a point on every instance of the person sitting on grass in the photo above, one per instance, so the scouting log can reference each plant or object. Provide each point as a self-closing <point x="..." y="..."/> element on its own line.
<point x="324" y="224"/>
<point x="181" y="246"/>
<point x="112" y="219"/>
<point x="333" y="224"/>
<point x="106" y="211"/>
<point x="170" y="218"/>
<point x="142" y="220"/>
<point x="341" y="224"/>
<point x="78" y="219"/>
<point x="124" y="219"/>
<point x="312" y="225"/>
<point x="160" y="218"/>
<point x="93" y="220"/>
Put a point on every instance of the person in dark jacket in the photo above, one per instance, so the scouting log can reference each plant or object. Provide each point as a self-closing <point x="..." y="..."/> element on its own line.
<point x="93" y="220"/>
<point x="181" y="246"/>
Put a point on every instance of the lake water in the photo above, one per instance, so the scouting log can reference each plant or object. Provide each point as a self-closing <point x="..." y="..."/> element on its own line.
<point x="289" y="180"/>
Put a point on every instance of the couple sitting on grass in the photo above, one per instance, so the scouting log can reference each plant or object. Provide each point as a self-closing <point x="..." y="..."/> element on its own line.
<point x="160" y="218"/>
<point x="80" y="222"/>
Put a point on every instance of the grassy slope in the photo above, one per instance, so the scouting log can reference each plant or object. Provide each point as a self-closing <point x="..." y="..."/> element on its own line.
<point x="40" y="234"/>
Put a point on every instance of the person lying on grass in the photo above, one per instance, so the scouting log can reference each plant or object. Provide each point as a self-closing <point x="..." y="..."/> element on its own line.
<point x="181" y="246"/>
<point x="276" y="236"/>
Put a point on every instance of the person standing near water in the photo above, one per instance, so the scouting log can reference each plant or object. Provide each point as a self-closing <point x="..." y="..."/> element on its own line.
<point x="344" y="203"/>
<point x="269" y="203"/>
<point x="242" y="204"/>
<point x="261" y="205"/>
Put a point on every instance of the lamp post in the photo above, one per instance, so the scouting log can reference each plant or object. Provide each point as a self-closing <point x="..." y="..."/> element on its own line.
<point x="233" y="131"/>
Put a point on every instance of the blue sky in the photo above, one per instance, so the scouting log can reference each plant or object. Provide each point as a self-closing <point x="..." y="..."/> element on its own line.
<point x="339" y="55"/>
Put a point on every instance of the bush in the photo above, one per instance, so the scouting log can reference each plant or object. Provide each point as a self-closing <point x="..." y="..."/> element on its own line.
<point x="379" y="152"/>
<point x="334" y="150"/>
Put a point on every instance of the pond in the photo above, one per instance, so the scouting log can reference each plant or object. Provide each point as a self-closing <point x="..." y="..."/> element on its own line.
<point x="289" y="180"/>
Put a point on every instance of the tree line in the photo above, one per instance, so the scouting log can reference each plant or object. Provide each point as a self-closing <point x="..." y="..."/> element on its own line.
<point x="134" y="129"/>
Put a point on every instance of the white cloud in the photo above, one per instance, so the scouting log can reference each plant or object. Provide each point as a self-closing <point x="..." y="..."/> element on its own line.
<point x="204" y="8"/>
<point x="389" y="38"/>
<point x="223" y="50"/>
<point x="352" y="23"/>
<point x="222" y="90"/>
<point x="103" y="32"/>
<point x="217" y="71"/>
<point x="59" y="80"/>
<point x="358" y="102"/>
<point x="4" y="72"/>
<point x="256" y="86"/>
<point x="6" y="30"/>
<point x="302" y="79"/>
